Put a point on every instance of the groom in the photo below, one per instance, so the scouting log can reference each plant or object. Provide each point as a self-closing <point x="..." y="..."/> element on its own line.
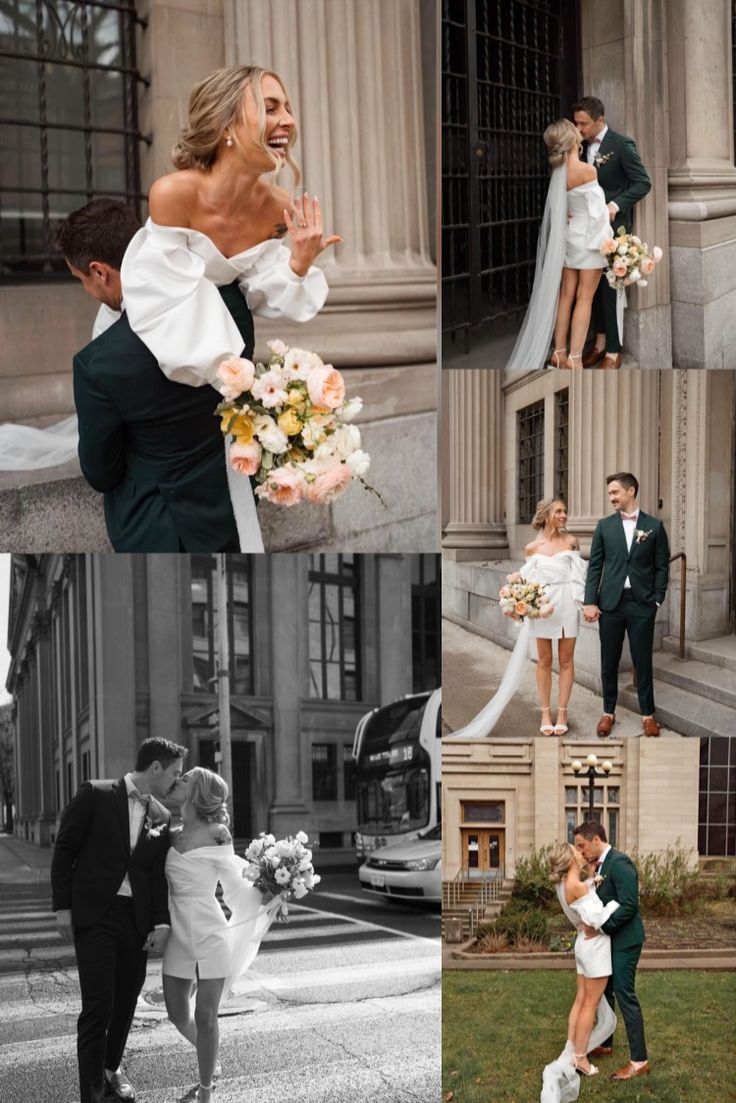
<point x="153" y="447"/>
<point x="617" y="880"/>
<point x="625" y="181"/>
<point x="110" y="896"/>
<point x="627" y="579"/>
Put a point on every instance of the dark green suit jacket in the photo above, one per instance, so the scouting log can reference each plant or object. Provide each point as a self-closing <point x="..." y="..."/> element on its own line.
<point x="647" y="564"/>
<point x="620" y="882"/>
<point x="621" y="174"/>
<point x="153" y="447"/>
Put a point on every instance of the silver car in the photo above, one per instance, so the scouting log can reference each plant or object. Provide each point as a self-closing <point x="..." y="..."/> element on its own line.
<point x="406" y="870"/>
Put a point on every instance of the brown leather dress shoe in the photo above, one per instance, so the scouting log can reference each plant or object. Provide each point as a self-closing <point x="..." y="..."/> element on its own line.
<point x="604" y="725"/>
<point x="591" y="358"/>
<point x="612" y="361"/>
<point x="601" y="1051"/>
<point x="650" y="725"/>
<point x="628" y="1072"/>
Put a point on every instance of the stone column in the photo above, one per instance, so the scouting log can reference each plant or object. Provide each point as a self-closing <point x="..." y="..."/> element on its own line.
<point x="288" y="611"/>
<point x="394" y="626"/>
<point x="625" y="64"/>
<point x="702" y="184"/>
<point x="473" y="436"/>
<point x="614" y="420"/>
<point x="702" y="500"/>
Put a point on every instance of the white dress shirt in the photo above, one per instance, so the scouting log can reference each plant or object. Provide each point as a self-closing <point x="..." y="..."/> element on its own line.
<point x="603" y="857"/>
<point x="629" y="530"/>
<point x="136" y="816"/>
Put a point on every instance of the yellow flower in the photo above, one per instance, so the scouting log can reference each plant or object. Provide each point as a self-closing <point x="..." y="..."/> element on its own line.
<point x="242" y="429"/>
<point x="289" y="423"/>
<point x="296" y="399"/>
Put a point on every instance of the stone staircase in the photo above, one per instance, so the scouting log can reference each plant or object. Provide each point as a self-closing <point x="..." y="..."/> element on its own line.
<point x="696" y="695"/>
<point x="470" y="907"/>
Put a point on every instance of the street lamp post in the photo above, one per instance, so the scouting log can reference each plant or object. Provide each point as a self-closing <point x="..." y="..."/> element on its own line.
<point x="592" y="774"/>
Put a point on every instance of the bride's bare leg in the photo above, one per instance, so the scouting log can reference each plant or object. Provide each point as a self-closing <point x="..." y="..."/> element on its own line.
<point x="544" y="679"/>
<point x="588" y="280"/>
<point x="209" y="994"/>
<point x="564" y="306"/>
<point x="572" y="1020"/>
<point x="594" y="988"/>
<point x="177" y="994"/>
<point x="565" y="652"/>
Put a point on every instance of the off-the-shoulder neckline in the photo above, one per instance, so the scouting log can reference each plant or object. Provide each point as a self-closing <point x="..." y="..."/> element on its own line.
<point x="205" y="846"/>
<point x="566" y="551"/>
<point x="583" y="185"/>
<point x="190" y="230"/>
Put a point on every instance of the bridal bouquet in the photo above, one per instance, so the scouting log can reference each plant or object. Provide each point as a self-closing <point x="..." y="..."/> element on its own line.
<point x="629" y="260"/>
<point x="281" y="866"/>
<point x="289" y="422"/>
<point x="519" y="599"/>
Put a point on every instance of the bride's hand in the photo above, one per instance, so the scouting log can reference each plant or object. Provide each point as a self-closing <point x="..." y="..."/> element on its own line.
<point x="307" y="235"/>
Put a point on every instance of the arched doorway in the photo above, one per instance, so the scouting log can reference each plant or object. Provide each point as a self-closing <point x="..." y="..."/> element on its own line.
<point x="509" y="68"/>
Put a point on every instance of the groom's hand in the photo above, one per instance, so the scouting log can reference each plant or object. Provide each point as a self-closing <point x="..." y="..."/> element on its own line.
<point x="612" y="212"/>
<point x="590" y="932"/>
<point x="64" y="924"/>
<point x="157" y="939"/>
<point x="591" y="613"/>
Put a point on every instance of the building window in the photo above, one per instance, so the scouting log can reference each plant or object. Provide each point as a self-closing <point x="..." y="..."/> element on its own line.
<point x="530" y="424"/>
<point x="69" y="782"/>
<point x="562" y="422"/>
<point x="80" y="633"/>
<point x="717" y="798"/>
<point x="66" y="651"/>
<point x="607" y="801"/>
<point x="68" y="121"/>
<point x="425" y="622"/>
<point x="86" y="760"/>
<point x="348" y="771"/>
<point x="483" y="811"/>
<point x="324" y="771"/>
<point x="204" y="624"/>
<point x="334" y="637"/>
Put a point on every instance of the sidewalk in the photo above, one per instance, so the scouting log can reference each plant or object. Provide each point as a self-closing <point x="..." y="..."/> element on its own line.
<point x="472" y="668"/>
<point x="23" y="863"/>
<point x="459" y="958"/>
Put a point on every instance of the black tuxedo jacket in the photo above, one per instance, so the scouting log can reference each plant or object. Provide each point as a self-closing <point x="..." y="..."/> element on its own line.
<point x="92" y="855"/>
<point x="646" y="564"/>
<point x="621" y="174"/>
<point x="153" y="447"/>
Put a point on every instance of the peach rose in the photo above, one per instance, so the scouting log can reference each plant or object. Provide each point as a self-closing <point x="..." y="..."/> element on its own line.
<point x="521" y="609"/>
<point x="285" y="486"/>
<point x="515" y="577"/>
<point x="619" y="268"/>
<point x="246" y="458"/>
<point x="609" y="247"/>
<point x="235" y="376"/>
<point x="326" y="387"/>
<point x="504" y="592"/>
<point x="329" y="484"/>
<point x="647" y="266"/>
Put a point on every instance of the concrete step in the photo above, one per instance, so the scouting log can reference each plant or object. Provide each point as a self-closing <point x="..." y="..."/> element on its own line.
<point x="716" y="683"/>
<point x="717" y="652"/>
<point x="684" y="712"/>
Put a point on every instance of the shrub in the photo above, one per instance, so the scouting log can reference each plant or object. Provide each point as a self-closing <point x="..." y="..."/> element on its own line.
<point x="732" y="890"/>
<point x="668" y="885"/>
<point x="518" y="921"/>
<point x="492" y="942"/>
<point x="531" y="880"/>
<point x="561" y="944"/>
<point x="529" y="946"/>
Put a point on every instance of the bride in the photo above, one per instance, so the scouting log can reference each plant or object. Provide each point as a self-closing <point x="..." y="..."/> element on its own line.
<point x="591" y="1019"/>
<point x="203" y="945"/>
<point x="219" y="218"/>
<point x="553" y="559"/>
<point x="575" y="224"/>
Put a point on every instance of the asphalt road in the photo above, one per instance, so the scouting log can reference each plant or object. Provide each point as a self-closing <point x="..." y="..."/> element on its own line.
<point x="341" y="1006"/>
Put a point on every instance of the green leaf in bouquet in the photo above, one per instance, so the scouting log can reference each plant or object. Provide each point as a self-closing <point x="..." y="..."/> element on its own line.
<point x="266" y="460"/>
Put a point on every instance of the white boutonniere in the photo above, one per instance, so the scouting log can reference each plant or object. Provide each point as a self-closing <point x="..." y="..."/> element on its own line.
<point x="640" y="536"/>
<point x="600" y="159"/>
<point x="151" y="831"/>
<point x="599" y="879"/>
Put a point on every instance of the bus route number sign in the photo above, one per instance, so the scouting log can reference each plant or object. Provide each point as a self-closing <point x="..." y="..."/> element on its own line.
<point x="402" y="752"/>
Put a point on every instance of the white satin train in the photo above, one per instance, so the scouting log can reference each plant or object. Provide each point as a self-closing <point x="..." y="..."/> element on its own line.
<point x="560" y="1082"/>
<point x="25" y="448"/>
<point x="486" y="720"/>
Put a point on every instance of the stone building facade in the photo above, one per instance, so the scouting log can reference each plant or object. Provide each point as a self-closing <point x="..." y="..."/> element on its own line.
<point x="361" y="80"/>
<point x="109" y="650"/>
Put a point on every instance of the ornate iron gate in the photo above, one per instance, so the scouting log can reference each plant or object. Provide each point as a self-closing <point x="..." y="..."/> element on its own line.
<point x="509" y="68"/>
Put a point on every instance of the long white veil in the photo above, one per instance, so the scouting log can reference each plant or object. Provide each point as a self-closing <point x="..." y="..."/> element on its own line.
<point x="25" y="448"/>
<point x="532" y="344"/>
<point x="486" y="720"/>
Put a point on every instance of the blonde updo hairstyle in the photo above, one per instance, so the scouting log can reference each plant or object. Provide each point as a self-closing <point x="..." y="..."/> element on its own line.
<point x="207" y="793"/>
<point x="214" y="104"/>
<point x="544" y="509"/>
<point x="560" y="859"/>
<point x="560" y="137"/>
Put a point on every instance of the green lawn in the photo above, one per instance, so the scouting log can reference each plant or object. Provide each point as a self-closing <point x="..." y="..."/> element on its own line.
<point x="499" y="1029"/>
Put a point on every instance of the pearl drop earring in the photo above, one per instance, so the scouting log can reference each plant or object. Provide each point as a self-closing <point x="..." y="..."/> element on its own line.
<point x="228" y="141"/>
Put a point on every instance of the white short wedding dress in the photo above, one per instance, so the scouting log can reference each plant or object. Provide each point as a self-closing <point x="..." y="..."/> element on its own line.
<point x="588" y="226"/>
<point x="203" y="942"/>
<point x="560" y="1081"/>
<point x="563" y="576"/>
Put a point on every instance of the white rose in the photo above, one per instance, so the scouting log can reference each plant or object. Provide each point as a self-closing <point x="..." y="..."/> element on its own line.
<point x="622" y="249"/>
<point x="278" y="348"/>
<point x="359" y="463"/>
<point x="301" y="837"/>
<point x="273" y="439"/>
<point x="351" y="409"/>
<point x="634" y="275"/>
<point x="643" y="283"/>
<point x="282" y="876"/>
<point x="346" y="440"/>
<point x="300" y="891"/>
<point x="636" y="240"/>
<point x="313" y="433"/>
<point x="326" y="450"/>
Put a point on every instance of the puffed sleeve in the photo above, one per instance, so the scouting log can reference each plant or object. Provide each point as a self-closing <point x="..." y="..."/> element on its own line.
<point x="175" y="310"/>
<point x="599" y="224"/>
<point x="578" y="572"/>
<point x="593" y="912"/>
<point x="273" y="290"/>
